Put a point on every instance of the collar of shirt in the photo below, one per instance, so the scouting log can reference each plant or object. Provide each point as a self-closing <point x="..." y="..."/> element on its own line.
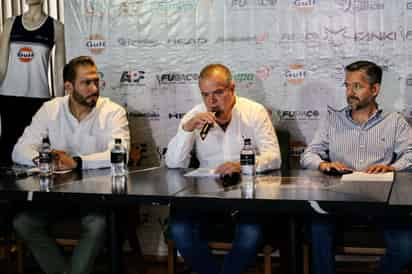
<point x="90" y="114"/>
<point x="377" y="117"/>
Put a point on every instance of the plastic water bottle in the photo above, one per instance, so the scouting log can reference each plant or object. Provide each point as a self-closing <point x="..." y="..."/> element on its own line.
<point x="45" y="158"/>
<point x="118" y="157"/>
<point x="248" y="170"/>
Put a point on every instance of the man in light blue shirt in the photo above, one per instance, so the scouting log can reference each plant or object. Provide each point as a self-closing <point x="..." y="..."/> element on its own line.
<point x="361" y="137"/>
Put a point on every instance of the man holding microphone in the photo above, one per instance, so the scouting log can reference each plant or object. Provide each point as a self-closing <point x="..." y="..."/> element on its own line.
<point x="215" y="131"/>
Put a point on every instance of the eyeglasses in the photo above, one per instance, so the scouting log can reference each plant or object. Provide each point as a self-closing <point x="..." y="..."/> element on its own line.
<point x="355" y="87"/>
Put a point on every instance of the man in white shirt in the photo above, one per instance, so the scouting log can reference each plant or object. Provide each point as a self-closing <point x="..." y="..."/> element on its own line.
<point x="233" y="119"/>
<point x="81" y="126"/>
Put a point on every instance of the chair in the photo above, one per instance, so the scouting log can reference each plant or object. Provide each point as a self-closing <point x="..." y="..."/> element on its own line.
<point x="225" y="246"/>
<point x="359" y="240"/>
<point x="283" y="140"/>
<point x="8" y="241"/>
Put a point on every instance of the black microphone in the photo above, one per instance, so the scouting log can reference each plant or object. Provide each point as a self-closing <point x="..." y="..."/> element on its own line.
<point x="206" y="127"/>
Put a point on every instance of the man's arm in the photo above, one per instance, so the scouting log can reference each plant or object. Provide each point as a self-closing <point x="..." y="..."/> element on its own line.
<point x="179" y="148"/>
<point x="26" y="148"/>
<point x="59" y="58"/>
<point x="317" y="151"/>
<point x="403" y="146"/>
<point x="118" y="127"/>
<point x="5" y="48"/>
<point x="266" y="143"/>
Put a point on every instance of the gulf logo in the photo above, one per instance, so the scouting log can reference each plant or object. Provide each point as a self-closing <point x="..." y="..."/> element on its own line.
<point x="295" y="74"/>
<point x="96" y="43"/>
<point x="25" y="54"/>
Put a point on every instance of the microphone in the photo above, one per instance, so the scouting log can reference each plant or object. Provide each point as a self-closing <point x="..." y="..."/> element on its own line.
<point x="206" y="127"/>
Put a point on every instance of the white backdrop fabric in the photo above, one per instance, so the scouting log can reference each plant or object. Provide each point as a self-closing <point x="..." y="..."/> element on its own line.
<point x="288" y="55"/>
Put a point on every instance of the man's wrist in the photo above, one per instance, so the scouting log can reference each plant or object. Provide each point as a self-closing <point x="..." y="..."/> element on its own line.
<point x="79" y="162"/>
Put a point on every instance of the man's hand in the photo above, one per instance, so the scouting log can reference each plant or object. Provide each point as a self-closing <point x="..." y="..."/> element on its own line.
<point x="228" y="168"/>
<point x="326" y="166"/>
<point x="379" y="168"/>
<point x="63" y="161"/>
<point x="199" y="120"/>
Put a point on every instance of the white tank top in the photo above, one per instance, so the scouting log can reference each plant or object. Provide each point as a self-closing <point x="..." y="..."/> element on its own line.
<point x="28" y="60"/>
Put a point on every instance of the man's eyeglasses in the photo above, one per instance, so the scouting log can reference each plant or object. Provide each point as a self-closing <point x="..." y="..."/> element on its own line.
<point x="356" y="86"/>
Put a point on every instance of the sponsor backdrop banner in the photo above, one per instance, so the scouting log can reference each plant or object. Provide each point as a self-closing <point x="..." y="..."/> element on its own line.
<point x="287" y="55"/>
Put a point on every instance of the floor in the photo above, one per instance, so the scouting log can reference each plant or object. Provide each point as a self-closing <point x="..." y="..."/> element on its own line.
<point x="159" y="266"/>
<point x="350" y="265"/>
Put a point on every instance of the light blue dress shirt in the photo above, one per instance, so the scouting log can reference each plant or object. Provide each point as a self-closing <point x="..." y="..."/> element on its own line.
<point x="386" y="138"/>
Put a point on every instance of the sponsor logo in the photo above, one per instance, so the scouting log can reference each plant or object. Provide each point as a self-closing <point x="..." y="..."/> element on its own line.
<point x="25" y="54"/>
<point x="177" y="78"/>
<point x="133" y="77"/>
<point x="239" y="5"/>
<point x="96" y="43"/>
<point x="245" y="79"/>
<point x="102" y="82"/>
<point x="304" y="4"/>
<point x="135" y="43"/>
<point x="134" y="8"/>
<point x="94" y="7"/>
<point x="264" y="72"/>
<point x="299" y="114"/>
<point x="176" y="115"/>
<point x="152" y="115"/>
<point x="337" y="37"/>
<point x="295" y="74"/>
<point x="196" y="42"/>
<point x="409" y="5"/>
<point x="360" y="5"/>
<point x="257" y="39"/>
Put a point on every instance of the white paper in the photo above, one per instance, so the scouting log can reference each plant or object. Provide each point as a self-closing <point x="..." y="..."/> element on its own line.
<point x="362" y="176"/>
<point x="202" y="172"/>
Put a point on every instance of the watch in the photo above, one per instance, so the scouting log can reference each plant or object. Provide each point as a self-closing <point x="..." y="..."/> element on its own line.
<point x="79" y="162"/>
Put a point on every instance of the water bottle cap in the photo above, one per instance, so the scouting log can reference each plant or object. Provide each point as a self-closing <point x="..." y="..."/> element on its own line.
<point x="117" y="141"/>
<point x="247" y="141"/>
<point x="46" y="140"/>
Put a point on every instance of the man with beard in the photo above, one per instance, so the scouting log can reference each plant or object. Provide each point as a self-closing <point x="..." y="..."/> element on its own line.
<point x="361" y="137"/>
<point x="80" y="126"/>
<point x="232" y="119"/>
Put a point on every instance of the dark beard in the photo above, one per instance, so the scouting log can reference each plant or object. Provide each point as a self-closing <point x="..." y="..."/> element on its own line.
<point x="81" y="100"/>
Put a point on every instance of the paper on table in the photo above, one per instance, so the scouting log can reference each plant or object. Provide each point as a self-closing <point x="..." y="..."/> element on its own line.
<point x="202" y="172"/>
<point x="362" y="176"/>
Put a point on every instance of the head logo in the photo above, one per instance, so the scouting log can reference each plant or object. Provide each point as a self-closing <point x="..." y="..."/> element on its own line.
<point x="96" y="43"/>
<point x="25" y="55"/>
<point x="195" y="42"/>
<point x="295" y="74"/>
<point x="133" y="77"/>
<point x="304" y="4"/>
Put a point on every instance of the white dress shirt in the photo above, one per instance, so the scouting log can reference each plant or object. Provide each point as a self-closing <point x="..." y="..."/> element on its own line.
<point x="91" y="139"/>
<point x="249" y="120"/>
